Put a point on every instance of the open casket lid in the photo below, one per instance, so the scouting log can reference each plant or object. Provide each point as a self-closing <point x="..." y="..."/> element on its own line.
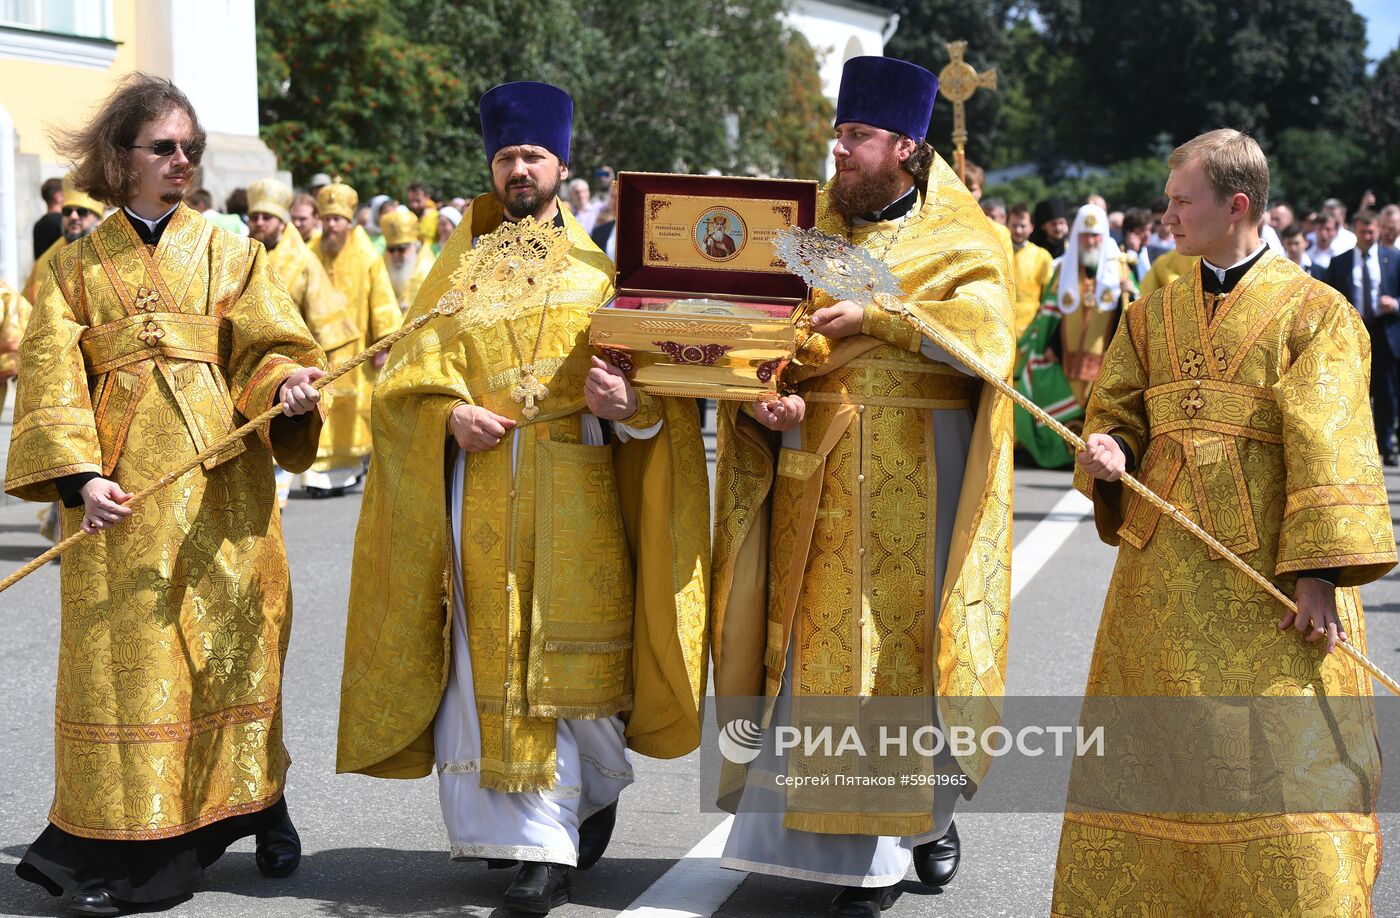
<point x="701" y="235"/>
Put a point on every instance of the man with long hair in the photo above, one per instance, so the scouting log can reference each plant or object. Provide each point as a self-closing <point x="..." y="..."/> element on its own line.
<point x="152" y="338"/>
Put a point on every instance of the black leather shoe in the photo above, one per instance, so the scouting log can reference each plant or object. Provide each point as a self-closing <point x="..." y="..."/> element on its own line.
<point x="94" y="902"/>
<point x="594" y="833"/>
<point x="501" y="863"/>
<point x="538" y="888"/>
<point x="937" y="861"/>
<point x="863" y="901"/>
<point x="279" y="851"/>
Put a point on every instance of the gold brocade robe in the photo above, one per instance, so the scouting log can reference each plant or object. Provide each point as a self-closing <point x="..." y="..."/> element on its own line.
<point x="14" y="316"/>
<point x="1166" y="268"/>
<point x="1252" y="417"/>
<point x="1033" y="268"/>
<point x="41" y="267"/>
<point x="175" y="622"/>
<point x="357" y="271"/>
<point x="323" y="308"/>
<point x="830" y="549"/>
<point x="422" y="267"/>
<point x="585" y="567"/>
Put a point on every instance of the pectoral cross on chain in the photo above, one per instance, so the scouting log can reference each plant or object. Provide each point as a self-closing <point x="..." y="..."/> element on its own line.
<point x="529" y="390"/>
<point x="957" y="83"/>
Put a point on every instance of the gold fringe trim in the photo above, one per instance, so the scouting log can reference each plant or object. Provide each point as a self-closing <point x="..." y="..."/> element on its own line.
<point x="588" y="646"/>
<point x="583" y="711"/>
<point x="517" y="784"/>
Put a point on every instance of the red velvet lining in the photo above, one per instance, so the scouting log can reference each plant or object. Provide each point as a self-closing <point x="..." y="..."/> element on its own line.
<point x="632" y="275"/>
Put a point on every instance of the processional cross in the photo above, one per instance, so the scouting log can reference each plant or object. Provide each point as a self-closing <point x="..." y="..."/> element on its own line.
<point x="957" y="82"/>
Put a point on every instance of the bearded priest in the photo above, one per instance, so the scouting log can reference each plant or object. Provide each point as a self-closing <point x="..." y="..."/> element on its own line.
<point x="863" y="537"/>
<point x="543" y="610"/>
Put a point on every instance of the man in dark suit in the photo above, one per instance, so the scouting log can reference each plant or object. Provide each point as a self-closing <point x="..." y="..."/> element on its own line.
<point x="1369" y="277"/>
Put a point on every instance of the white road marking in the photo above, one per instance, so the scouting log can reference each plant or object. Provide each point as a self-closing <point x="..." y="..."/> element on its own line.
<point x="1041" y="543"/>
<point x="696" y="885"/>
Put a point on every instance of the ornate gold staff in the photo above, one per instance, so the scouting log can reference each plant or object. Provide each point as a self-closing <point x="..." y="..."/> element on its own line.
<point x="517" y="264"/>
<point x="848" y="272"/>
<point x="958" y="82"/>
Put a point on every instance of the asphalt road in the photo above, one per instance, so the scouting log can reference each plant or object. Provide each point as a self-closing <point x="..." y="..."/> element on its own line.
<point x="377" y="848"/>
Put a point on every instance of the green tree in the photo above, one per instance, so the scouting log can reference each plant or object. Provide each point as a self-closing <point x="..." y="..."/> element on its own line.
<point x="1263" y="66"/>
<point x="799" y="135"/>
<point x="387" y="93"/>
<point x="343" y="89"/>
<point x="685" y="86"/>
<point x="1383" y="116"/>
<point x="498" y="41"/>
<point x="1001" y="124"/>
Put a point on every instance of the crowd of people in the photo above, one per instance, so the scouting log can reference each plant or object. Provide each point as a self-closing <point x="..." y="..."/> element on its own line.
<point x="537" y="592"/>
<point x="1063" y="258"/>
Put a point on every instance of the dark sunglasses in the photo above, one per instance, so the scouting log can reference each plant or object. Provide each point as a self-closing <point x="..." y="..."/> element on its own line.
<point x="193" y="150"/>
<point x="80" y="211"/>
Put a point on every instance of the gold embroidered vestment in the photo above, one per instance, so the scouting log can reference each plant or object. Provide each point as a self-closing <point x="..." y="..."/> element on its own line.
<point x="14" y="316"/>
<point x="358" y="272"/>
<point x="830" y="550"/>
<point x="1255" y="421"/>
<point x="174" y="623"/>
<point x="584" y="566"/>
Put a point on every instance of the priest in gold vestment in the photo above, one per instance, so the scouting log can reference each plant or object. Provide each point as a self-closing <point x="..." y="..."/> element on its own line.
<point x="357" y="271"/>
<point x="14" y="316"/>
<point x="323" y="308"/>
<point x="543" y="609"/>
<point x="865" y="549"/>
<point x="407" y="260"/>
<point x="1239" y="394"/>
<point x="152" y="338"/>
<point x="81" y="212"/>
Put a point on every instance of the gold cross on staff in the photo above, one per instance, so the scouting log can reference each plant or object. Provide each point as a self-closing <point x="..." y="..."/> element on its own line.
<point x="957" y="82"/>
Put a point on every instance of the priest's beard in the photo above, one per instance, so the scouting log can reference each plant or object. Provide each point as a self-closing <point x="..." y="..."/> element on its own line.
<point x="1089" y="260"/>
<point x="332" y="243"/>
<point x="74" y="236"/>
<point x="865" y="190"/>
<point x="399" y="276"/>
<point x="523" y="197"/>
<point x="171" y="197"/>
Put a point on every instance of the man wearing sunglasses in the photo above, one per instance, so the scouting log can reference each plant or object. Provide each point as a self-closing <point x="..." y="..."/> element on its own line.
<point x="80" y="213"/>
<point x="153" y="337"/>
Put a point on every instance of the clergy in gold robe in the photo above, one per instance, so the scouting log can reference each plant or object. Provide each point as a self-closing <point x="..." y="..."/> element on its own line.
<point x="151" y="339"/>
<point x="1090" y="287"/>
<point x="81" y="212"/>
<point x="357" y="271"/>
<point x="1239" y="394"/>
<point x="407" y="260"/>
<point x="1031" y="266"/>
<point x="544" y="607"/>
<point x="323" y="308"/>
<point x="1166" y="268"/>
<point x="14" y="316"/>
<point x="864" y="551"/>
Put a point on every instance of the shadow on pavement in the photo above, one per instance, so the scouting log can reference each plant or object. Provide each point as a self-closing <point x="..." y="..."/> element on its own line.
<point x="373" y="882"/>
